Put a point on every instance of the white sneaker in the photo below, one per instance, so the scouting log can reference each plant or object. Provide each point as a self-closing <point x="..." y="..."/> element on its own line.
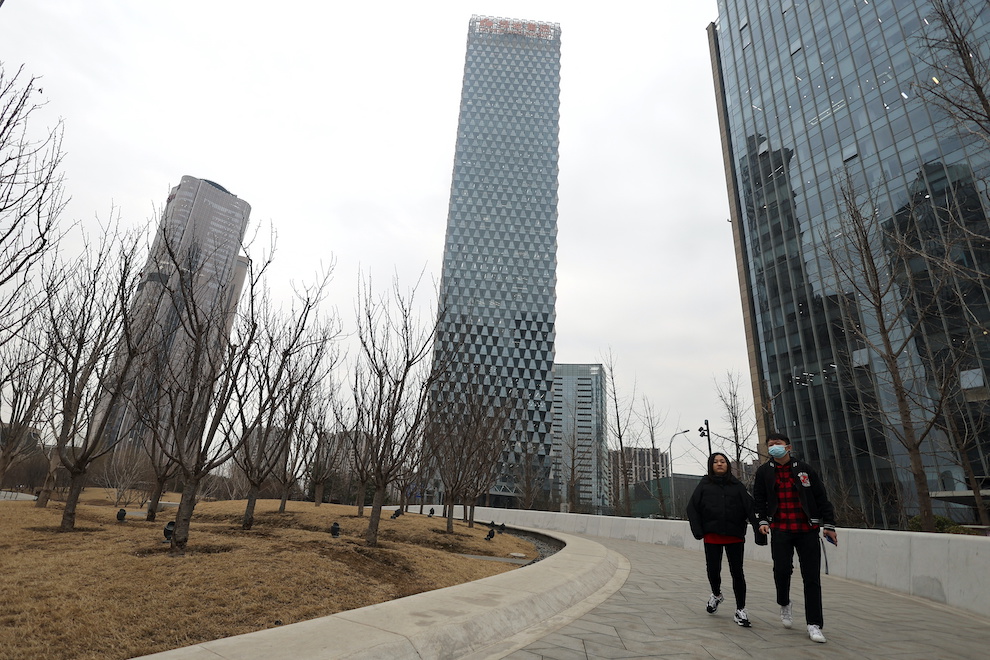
<point x="713" y="603"/>
<point x="785" y="616"/>
<point x="815" y="633"/>
<point x="741" y="618"/>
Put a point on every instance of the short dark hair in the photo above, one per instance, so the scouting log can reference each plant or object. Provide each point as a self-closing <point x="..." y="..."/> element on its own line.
<point x="777" y="435"/>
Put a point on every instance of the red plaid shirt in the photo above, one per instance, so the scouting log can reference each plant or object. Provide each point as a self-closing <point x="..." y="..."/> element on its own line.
<point x="790" y="517"/>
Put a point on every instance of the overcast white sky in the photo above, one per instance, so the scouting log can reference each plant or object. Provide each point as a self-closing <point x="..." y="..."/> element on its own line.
<point x="336" y="122"/>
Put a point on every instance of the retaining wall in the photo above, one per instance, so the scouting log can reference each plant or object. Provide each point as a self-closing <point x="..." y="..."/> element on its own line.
<point x="946" y="568"/>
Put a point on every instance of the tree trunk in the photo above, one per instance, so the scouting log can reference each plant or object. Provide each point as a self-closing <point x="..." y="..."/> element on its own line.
<point x="252" y="501"/>
<point x="318" y="493"/>
<point x="285" y="498"/>
<point x="155" y="499"/>
<point x="974" y="485"/>
<point x="921" y="485"/>
<point x="5" y="463"/>
<point x="910" y="440"/>
<point x="49" y="485"/>
<point x="43" y="496"/>
<point x="661" y="499"/>
<point x="371" y="536"/>
<point x="471" y="517"/>
<point x="180" y="537"/>
<point x="362" y="489"/>
<point x="450" y="519"/>
<point x="75" y="490"/>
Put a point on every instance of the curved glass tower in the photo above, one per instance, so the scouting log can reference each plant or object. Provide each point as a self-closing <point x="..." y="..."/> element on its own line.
<point x="817" y="99"/>
<point x="498" y="287"/>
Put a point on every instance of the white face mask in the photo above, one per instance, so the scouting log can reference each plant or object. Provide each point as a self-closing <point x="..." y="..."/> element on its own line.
<point x="777" y="451"/>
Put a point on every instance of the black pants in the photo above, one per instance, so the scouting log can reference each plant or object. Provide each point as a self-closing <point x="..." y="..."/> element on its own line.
<point x="782" y="548"/>
<point x="713" y="561"/>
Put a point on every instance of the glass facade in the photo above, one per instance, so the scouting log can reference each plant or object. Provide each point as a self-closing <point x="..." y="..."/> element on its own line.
<point x="580" y="451"/>
<point x="817" y="98"/>
<point x="201" y="231"/>
<point x="498" y="285"/>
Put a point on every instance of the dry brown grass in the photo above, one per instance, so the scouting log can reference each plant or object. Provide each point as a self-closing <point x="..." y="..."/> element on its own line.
<point x="111" y="590"/>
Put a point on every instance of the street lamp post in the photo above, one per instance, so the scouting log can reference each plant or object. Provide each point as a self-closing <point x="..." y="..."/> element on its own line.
<point x="706" y="432"/>
<point x="656" y="470"/>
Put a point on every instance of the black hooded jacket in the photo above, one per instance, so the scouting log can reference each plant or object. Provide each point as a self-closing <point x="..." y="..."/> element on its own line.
<point x="721" y="505"/>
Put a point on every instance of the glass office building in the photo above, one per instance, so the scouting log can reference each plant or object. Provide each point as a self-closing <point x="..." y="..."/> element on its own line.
<point x="201" y="231"/>
<point x="498" y="285"/>
<point x="581" y="458"/>
<point x="818" y="97"/>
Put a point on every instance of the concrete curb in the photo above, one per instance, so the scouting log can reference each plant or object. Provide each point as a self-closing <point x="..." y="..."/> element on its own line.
<point x="446" y="623"/>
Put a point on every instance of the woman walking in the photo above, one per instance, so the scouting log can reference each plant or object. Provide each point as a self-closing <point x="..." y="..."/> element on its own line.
<point x="718" y="511"/>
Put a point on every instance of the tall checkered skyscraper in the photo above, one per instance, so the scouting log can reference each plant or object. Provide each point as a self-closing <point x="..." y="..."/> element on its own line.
<point x="499" y="268"/>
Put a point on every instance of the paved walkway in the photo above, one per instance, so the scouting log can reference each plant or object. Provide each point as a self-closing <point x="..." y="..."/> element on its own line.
<point x="659" y="612"/>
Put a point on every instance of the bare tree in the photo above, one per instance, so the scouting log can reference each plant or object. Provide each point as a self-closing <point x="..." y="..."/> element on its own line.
<point x="957" y="88"/>
<point x="737" y="414"/>
<point x="963" y="424"/>
<point x="298" y="447"/>
<point x="361" y="456"/>
<point x="86" y="320"/>
<point x="202" y="319"/>
<point x="466" y="437"/>
<point x="653" y="421"/>
<point x="123" y="474"/>
<point x="25" y="391"/>
<point x="163" y="467"/>
<point x="49" y="449"/>
<point x="619" y="425"/>
<point x="530" y="475"/>
<point x="882" y="321"/>
<point x="290" y="357"/>
<point x="942" y="266"/>
<point x="960" y="60"/>
<point x="31" y="198"/>
<point x="404" y="486"/>
<point x="329" y="452"/>
<point x="491" y="438"/>
<point x="573" y="456"/>
<point x="574" y="461"/>
<point x="390" y="389"/>
<point x="233" y="486"/>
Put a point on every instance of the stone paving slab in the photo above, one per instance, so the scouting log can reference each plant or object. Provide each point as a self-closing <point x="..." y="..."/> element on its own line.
<point x="660" y="613"/>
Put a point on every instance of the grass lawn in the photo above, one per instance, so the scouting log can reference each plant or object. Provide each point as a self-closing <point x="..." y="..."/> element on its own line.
<point x="111" y="590"/>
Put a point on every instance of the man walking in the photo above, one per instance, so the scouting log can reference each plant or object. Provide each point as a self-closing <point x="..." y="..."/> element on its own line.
<point x="792" y="504"/>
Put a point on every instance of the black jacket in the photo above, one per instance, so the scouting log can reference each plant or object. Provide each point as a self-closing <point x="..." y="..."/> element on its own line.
<point x="721" y="505"/>
<point x="811" y="491"/>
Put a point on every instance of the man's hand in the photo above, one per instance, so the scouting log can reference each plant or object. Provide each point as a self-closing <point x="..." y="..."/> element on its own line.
<point x="832" y="537"/>
<point x="765" y="529"/>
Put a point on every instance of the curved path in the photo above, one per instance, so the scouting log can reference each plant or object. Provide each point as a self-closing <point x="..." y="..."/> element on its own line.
<point x="614" y="598"/>
<point x="660" y="613"/>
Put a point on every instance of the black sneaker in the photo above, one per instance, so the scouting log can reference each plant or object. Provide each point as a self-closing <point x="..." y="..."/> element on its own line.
<point x="742" y="618"/>
<point x="714" y="602"/>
